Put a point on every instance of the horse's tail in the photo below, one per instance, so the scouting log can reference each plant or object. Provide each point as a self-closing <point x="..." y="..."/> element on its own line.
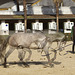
<point x="3" y="48"/>
<point x="5" y="42"/>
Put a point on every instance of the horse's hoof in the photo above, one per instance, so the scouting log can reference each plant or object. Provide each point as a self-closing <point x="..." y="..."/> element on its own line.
<point x="26" y="65"/>
<point x="45" y="66"/>
<point x="51" y="65"/>
<point x="5" y="66"/>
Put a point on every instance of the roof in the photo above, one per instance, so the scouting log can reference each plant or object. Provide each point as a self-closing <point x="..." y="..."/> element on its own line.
<point x="68" y="3"/>
<point x="38" y="10"/>
<point x="10" y="3"/>
<point x="5" y="4"/>
<point x="51" y="3"/>
<point x="46" y="3"/>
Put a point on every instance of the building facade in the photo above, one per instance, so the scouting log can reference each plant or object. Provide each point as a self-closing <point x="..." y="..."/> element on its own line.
<point x="41" y="15"/>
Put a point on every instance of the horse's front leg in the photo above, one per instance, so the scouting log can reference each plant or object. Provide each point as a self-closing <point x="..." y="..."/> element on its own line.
<point x="11" y="49"/>
<point x="46" y="50"/>
<point x="47" y="55"/>
<point x="30" y="53"/>
<point x="55" y="53"/>
<point x="21" y="54"/>
<point x="59" y="44"/>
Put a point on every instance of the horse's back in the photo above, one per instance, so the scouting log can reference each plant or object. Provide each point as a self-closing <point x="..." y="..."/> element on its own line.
<point x="25" y="39"/>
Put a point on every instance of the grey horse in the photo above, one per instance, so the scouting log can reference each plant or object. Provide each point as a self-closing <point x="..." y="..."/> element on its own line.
<point x="25" y="42"/>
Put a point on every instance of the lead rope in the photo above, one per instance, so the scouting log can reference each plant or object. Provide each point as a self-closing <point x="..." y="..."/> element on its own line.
<point x="58" y="48"/>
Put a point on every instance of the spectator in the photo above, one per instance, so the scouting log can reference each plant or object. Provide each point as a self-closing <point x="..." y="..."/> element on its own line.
<point x="73" y="38"/>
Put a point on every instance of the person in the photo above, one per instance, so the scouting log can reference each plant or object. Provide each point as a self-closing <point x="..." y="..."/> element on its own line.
<point x="73" y="38"/>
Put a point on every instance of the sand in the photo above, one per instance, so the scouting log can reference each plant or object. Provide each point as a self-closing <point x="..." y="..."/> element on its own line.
<point x="64" y="64"/>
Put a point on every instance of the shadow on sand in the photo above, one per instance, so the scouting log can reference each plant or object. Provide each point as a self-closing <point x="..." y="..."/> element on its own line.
<point x="27" y="64"/>
<point x="70" y="52"/>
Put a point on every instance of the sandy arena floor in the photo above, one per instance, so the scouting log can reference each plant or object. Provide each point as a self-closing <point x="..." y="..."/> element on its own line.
<point x="64" y="64"/>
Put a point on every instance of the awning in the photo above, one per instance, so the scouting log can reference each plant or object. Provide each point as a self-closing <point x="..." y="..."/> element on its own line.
<point x="17" y="17"/>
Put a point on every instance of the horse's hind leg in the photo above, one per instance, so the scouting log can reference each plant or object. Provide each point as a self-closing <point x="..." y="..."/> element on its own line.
<point x="2" y="59"/>
<point x="11" y="49"/>
<point x="2" y="55"/>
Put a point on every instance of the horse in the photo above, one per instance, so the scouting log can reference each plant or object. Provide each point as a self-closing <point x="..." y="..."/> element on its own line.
<point x="24" y="41"/>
